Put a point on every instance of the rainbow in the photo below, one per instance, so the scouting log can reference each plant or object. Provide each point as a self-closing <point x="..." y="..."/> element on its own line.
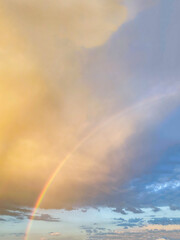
<point x="69" y="155"/>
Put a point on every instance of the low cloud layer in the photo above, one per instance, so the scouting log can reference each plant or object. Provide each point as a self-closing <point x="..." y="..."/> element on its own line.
<point x="149" y="232"/>
<point x="14" y="214"/>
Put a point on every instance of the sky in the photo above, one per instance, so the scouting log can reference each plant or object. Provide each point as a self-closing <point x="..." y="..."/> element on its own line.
<point x="89" y="126"/>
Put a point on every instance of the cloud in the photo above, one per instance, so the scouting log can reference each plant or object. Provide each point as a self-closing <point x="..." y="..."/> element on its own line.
<point x="85" y="24"/>
<point x="46" y="108"/>
<point x="138" y="234"/>
<point x="156" y="209"/>
<point x="165" y="221"/>
<point x="55" y="233"/>
<point x="161" y="239"/>
<point x="50" y="102"/>
<point x="2" y="220"/>
<point x="135" y="7"/>
<point x="161" y="186"/>
<point x="21" y="214"/>
<point x="46" y="217"/>
<point x="120" y="210"/>
<point x="84" y="210"/>
<point x="134" y="63"/>
<point x="128" y="209"/>
<point x="134" y="210"/>
<point x="91" y="231"/>
<point x="162" y="227"/>
<point x="130" y="223"/>
<point x="14" y="212"/>
<point x="174" y="208"/>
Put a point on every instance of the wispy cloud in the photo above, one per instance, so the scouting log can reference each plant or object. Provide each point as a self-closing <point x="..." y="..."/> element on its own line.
<point x="55" y="233"/>
<point x="45" y="217"/>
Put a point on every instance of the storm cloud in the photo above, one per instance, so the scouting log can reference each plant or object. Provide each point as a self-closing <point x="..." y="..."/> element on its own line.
<point x="64" y="76"/>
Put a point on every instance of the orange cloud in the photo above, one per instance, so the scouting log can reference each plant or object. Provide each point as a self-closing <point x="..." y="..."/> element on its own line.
<point x="45" y="108"/>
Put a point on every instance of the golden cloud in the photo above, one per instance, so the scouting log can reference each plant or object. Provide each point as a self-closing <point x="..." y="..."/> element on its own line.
<point x="82" y="22"/>
<point x="45" y="109"/>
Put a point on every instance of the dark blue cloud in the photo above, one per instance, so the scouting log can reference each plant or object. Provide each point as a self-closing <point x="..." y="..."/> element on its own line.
<point x="156" y="209"/>
<point x="132" y="222"/>
<point x="174" y="208"/>
<point x="165" y="221"/>
<point x="2" y="220"/>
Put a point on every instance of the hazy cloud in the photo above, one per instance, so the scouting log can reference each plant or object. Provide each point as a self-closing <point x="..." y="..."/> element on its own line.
<point x="64" y="78"/>
<point x="55" y="233"/>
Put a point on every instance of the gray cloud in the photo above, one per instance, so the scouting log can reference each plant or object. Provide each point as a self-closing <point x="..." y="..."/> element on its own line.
<point x="21" y="214"/>
<point x="156" y="209"/>
<point x="46" y="218"/>
<point x="134" y="210"/>
<point x="120" y="210"/>
<point x="2" y="220"/>
<point x="165" y="221"/>
<point x="174" y="208"/>
<point x="15" y="212"/>
<point x="132" y="222"/>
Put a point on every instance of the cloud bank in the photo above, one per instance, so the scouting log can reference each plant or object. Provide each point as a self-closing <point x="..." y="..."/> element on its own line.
<point x="60" y="79"/>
